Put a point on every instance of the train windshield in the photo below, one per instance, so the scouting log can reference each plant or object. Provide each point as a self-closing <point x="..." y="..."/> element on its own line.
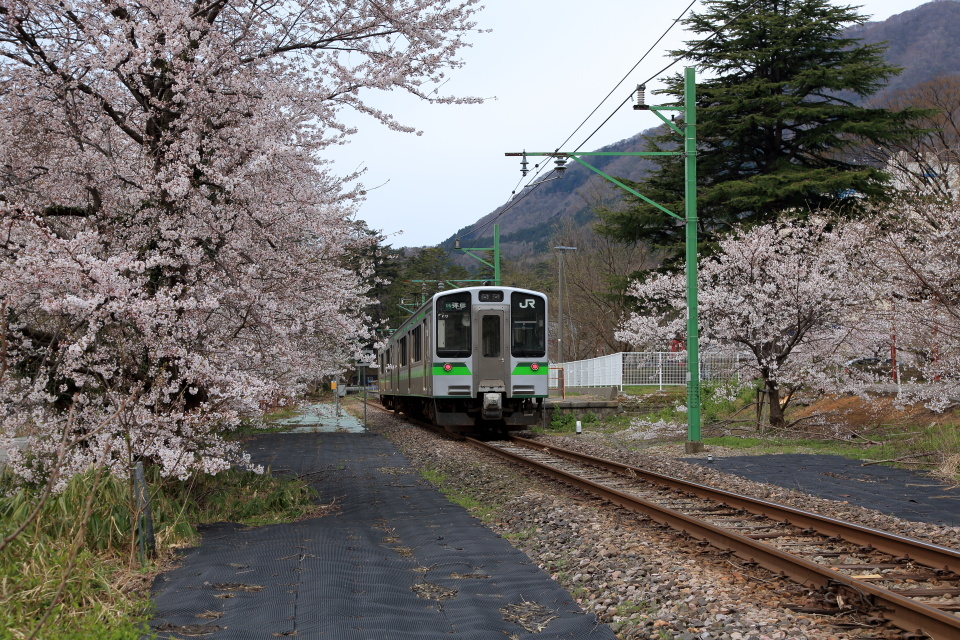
<point x="528" y="325"/>
<point x="453" y="325"/>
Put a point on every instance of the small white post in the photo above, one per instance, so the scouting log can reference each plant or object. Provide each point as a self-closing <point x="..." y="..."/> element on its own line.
<point x="579" y="429"/>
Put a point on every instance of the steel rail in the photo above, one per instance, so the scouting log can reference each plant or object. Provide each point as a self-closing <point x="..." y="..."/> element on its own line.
<point x="903" y="612"/>
<point x="930" y="555"/>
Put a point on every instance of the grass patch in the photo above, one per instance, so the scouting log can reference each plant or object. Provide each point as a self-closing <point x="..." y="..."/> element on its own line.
<point x="566" y="422"/>
<point x="281" y="413"/>
<point x="647" y="389"/>
<point x="716" y="402"/>
<point x="933" y="448"/>
<point x="667" y="414"/>
<point x="612" y="424"/>
<point x="249" y="428"/>
<point x="252" y="427"/>
<point x="462" y="497"/>
<point x="521" y="536"/>
<point x="72" y="571"/>
<point x="562" y="421"/>
<point x="241" y="496"/>
<point x="434" y="477"/>
<point x="759" y="446"/>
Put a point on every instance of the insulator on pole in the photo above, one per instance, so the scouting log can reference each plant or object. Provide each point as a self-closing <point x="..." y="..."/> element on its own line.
<point x="523" y="165"/>
<point x="641" y="97"/>
<point x="561" y="164"/>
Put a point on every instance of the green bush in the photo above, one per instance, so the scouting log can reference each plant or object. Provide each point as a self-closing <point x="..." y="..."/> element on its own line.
<point x="562" y="421"/>
<point x="717" y="402"/>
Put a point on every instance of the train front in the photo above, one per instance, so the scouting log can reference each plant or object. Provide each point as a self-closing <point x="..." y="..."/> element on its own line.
<point x="491" y="370"/>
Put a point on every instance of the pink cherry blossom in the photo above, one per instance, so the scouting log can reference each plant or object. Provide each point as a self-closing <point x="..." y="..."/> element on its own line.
<point x="912" y="269"/>
<point x="780" y="293"/>
<point x="174" y="249"/>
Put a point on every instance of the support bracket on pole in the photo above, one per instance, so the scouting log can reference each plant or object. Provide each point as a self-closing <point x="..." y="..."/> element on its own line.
<point x="689" y="152"/>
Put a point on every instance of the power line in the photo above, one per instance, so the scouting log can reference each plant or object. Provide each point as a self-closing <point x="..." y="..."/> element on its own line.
<point x="627" y="75"/>
<point x="715" y="33"/>
<point x="531" y="185"/>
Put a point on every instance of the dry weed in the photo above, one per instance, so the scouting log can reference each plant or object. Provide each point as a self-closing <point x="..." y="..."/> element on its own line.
<point x="949" y="468"/>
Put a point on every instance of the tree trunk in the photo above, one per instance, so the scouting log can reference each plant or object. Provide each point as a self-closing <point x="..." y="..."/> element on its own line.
<point x="773" y="399"/>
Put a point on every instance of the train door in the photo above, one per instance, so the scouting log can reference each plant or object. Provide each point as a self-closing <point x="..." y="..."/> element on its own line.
<point x="491" y="357"/>
<point x="404" y="365"/>
<point x="394" y="371"/>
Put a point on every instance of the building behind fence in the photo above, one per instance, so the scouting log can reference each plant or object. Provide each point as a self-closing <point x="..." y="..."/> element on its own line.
<point x="646" y="368"/>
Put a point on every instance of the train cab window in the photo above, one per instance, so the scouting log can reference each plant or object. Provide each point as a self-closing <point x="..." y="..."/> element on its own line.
<point x="490" y="336"/>
<point x="528" y="321"/>
<point x="453" y="325"/>
<point x="416" y="343"/>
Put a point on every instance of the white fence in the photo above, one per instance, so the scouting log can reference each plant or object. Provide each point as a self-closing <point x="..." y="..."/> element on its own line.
<point x="659" y="368"/>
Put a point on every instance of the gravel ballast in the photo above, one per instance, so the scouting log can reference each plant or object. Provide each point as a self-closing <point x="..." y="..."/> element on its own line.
<point x="643" y="580"/>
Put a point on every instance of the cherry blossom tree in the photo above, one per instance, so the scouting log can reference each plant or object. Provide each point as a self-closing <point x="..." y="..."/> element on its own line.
<point x="927" y="167"/>
<point x="780" y="292"/>
<point x="174" y="251"/>
<point x="914" y="269"/>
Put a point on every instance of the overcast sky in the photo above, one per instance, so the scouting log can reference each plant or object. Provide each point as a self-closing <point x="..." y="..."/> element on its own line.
<point x="544" y="67"/>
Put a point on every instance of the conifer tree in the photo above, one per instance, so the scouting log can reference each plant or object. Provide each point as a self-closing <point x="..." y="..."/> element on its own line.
<point x="779" y="126"/>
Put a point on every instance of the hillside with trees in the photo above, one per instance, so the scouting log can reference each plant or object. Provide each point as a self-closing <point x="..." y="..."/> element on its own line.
<point x="571" y="198"/>
<point x="923" y="41"/>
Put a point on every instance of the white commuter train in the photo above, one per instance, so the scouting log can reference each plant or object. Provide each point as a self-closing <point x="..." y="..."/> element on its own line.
<point x="470" y="360"/>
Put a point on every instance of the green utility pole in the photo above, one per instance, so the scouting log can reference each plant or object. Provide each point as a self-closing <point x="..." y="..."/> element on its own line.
<point x="495" y="265"/>
<point x="689" y="134"/>
<point x="694" y="440"/>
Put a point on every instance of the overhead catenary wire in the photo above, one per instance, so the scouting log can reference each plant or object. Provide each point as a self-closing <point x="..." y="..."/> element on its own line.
<point x="715" y="33"/>
<point x="532" y="185"/>
<point x="667" y="68"/>
<point x="675" y="22"/>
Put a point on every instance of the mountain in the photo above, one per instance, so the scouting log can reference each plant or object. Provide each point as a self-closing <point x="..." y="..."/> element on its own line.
<point x="530" y="218"/>
<point x="924" y="41"/>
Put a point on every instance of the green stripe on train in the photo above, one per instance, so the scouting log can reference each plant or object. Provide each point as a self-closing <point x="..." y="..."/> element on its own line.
<point x="524" y="369"/>
<point x="457" y="369"/>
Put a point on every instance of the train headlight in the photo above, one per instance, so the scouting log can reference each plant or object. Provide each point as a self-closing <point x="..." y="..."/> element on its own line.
<point x="534" y="367"/>
<point x="448" y="367"/>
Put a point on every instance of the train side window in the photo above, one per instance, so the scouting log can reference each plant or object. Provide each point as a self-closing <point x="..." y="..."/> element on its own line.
<point x="528" y="321"/>
<point x="402" y="360"/>
<point x="416" y="337"/>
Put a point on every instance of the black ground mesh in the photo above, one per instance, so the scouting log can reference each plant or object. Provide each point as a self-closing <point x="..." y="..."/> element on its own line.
<point x="398" y="561"/>
<point x="897" y="492"/>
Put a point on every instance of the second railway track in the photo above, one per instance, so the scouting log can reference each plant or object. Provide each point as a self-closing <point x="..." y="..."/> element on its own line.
<point x="913" y="585"/>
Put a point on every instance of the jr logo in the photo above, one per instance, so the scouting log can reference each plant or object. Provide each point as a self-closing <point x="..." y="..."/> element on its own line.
<point x="529" y="303"/>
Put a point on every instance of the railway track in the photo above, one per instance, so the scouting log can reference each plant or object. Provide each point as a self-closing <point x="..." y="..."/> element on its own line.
<point x="910" y="584"/>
